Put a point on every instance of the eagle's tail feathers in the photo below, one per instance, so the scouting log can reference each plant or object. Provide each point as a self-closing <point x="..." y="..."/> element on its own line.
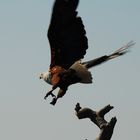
<point x="121" y="51"/>
<point x="100" y="60"/>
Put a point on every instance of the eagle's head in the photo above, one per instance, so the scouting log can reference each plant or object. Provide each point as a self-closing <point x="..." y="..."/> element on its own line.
<point x="46" y="76"/>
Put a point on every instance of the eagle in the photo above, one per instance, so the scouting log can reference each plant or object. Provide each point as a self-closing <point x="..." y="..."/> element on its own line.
<point x="68" y="45"/>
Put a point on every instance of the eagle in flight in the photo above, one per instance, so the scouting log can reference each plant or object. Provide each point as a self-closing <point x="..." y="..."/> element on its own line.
<point x="68" y="45"/>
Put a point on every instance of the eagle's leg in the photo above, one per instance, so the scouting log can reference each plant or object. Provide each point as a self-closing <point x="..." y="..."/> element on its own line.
<point x="50" y="92"/>
<point x="60" y="94"/>
<point x="54" y="100"/>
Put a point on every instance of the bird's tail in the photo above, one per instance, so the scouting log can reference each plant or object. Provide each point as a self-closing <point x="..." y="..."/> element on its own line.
<point x="121" y="51"/>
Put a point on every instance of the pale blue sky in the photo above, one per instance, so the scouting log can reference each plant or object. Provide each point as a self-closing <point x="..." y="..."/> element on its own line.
<point x="24" y="53"/>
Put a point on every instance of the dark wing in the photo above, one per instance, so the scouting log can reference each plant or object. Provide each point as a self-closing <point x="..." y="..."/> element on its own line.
<point x="66" y="34"/>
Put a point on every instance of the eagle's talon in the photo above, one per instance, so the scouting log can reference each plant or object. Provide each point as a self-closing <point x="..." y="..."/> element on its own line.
<point x="53" y="102"/>
<point x="49" y="93"/>
<point x="45" y="97"/>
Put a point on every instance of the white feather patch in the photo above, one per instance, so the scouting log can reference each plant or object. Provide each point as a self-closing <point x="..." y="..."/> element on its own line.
<point x="82" y="72"/>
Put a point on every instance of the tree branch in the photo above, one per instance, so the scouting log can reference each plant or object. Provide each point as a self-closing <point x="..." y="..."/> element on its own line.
<point x="97" y="117"/>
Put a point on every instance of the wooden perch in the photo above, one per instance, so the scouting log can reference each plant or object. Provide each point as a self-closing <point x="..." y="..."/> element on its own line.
<point x="97" y="117"/>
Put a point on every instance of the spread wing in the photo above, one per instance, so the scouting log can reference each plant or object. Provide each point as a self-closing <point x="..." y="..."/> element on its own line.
<point x="66" y="34"/>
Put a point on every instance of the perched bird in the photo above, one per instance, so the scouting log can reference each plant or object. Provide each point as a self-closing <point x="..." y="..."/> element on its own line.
<point x="68" y="45"/>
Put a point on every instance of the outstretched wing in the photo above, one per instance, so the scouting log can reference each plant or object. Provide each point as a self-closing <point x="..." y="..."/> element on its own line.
<point x="66" y="34"/>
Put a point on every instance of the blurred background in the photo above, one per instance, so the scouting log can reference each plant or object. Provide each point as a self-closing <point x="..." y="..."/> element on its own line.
<point x="25" y="53"/>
